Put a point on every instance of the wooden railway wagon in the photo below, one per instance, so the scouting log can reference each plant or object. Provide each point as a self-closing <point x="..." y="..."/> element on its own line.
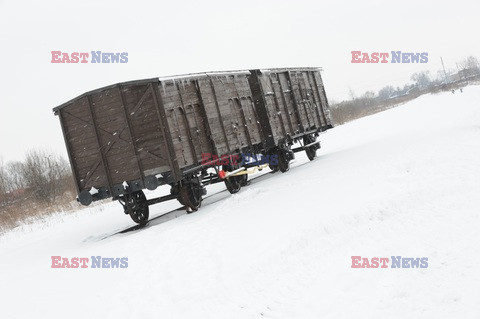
<point x="138" y="135"/>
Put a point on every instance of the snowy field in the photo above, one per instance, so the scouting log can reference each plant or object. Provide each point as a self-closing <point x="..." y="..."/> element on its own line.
<point x="405" y="182"/>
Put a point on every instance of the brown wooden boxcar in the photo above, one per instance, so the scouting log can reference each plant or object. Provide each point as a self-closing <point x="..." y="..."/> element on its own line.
<point x="142" y="134"/>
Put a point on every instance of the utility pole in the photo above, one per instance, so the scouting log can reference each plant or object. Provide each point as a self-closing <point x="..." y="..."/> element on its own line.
<point x="444" y="72"/>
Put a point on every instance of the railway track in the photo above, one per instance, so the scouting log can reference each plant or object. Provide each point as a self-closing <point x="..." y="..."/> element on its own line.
<point x="180" y="211"/>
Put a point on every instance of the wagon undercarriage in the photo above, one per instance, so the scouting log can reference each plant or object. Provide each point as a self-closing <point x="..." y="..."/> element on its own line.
<point x="190" y="191"/>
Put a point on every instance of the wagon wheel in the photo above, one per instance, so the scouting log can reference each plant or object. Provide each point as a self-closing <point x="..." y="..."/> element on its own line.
<point x="274" y="168"/>
<point x="244" y="180"/>
<point x="137" y="207"/>
<point x="190" y="196"/>
<point x="283" y="162"/>
<point x="311" y="150"/>
<point x="234" y="183"/>
<point x="311" y="153"/>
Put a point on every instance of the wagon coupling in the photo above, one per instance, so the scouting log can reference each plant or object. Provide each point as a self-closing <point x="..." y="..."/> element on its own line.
<point x="242" y="171"/>
<point x="237" y="172"/>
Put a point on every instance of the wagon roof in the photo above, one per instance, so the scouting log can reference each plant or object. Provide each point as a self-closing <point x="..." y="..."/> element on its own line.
<point x="181" y="77"/>
<point x="270" y="70"/>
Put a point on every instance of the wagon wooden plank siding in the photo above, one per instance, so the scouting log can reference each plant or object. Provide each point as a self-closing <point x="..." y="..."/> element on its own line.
<point x="294" y="101"/>
<point x="135" y="135"/>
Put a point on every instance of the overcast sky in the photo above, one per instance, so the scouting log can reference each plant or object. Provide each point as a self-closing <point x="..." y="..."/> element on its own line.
<point x="175" y="37"/>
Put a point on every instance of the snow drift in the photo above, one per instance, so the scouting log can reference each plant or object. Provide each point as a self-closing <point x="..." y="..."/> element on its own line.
<point x="405" y="182"/>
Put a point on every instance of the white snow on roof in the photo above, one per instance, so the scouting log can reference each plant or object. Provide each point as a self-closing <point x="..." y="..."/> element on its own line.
<point x="203" y="74"/>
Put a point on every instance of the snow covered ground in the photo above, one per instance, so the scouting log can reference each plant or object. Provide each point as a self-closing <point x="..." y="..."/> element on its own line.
<point x="405" y="182"/>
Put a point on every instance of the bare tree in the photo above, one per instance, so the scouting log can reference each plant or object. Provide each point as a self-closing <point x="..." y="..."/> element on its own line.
<point x="470" y="62"/>
<point x="386" y="92"/>
<point x="422" y="79"/>
<point x="44" y="174"/>
<point x="15" y="178"/>
<point x="470" y="66"/>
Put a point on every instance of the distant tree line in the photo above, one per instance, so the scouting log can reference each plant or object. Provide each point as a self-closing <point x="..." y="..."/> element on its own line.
<point x="422" y="82"/>
<point x="41" y="177"/>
